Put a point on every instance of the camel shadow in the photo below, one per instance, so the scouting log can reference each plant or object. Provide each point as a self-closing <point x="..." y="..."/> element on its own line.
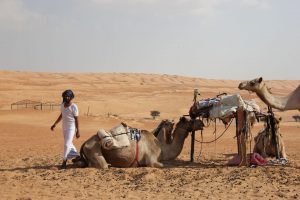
<point x="184" y="164"/>
<point x="213" y="163"/>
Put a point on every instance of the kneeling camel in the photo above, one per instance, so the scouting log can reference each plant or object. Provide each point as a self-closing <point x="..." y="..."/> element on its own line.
<point x="264" y="144"/>
<point x="148" y="151"/>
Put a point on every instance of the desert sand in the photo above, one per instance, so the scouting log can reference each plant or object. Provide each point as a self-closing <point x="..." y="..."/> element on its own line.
<point x="31" y="153"/>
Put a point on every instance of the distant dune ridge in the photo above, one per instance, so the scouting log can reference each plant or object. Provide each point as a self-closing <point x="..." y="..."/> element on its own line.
<point x="120" y="93"/>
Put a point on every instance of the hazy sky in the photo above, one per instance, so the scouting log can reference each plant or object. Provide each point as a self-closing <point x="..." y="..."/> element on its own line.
<point x="220" y="39"/>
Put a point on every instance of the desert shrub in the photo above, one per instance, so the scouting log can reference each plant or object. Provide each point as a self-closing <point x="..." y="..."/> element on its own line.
<point x="154" y="113"/>
<point x="296" y="118"/>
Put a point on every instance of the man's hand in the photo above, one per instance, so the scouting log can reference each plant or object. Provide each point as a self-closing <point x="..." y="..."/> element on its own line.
<point x="77" y="134"/>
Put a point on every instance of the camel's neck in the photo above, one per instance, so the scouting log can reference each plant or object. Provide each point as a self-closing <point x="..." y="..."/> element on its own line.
<point x="270" y="100"/>
<point x="171" y="151"/>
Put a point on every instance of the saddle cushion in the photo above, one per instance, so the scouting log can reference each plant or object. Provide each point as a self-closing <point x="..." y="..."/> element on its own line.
<point x="115" y="138"/>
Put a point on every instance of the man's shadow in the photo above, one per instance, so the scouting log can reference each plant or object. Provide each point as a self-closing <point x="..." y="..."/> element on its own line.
<point x="25" y="169"/>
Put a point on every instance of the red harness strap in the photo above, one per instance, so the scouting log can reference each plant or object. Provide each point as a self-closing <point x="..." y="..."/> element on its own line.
<point x="136" y="160"/>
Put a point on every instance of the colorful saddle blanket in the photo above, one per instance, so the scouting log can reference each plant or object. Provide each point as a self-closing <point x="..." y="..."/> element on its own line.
<point x="222" y="107"/>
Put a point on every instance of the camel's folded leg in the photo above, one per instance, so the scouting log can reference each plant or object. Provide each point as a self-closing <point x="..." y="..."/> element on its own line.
<point x="283" y="154"/>
<point x="152" y="161"/>
<point x="95" y="157"/>
<point x="156" y="164"/>
<point x="99" y="161"/>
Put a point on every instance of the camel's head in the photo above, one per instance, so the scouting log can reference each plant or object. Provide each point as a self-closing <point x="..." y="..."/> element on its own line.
<point x="253" y="85"/>
<point x="189" y="124"/>
<point x="164" y="124"/>
<point x="277" y="122"/>
<point x="168" y="126"/>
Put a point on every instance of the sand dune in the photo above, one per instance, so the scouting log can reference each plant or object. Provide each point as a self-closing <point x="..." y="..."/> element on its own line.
<point x="31" y="153"/>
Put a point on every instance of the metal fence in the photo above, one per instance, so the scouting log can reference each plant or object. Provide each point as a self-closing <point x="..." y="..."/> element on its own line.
<point x="34" y="105"/>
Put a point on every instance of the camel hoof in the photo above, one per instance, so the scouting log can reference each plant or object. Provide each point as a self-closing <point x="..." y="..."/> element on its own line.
<point x="157" y="165"/>
<point x="101" y="167"/>
<point x="105" y="167"/>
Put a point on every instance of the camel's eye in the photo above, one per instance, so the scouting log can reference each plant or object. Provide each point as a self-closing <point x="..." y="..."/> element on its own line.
<point x="252" y="83"/>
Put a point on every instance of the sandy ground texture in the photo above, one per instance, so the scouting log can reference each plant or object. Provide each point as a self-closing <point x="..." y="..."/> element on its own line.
<point x="31" y="153"/>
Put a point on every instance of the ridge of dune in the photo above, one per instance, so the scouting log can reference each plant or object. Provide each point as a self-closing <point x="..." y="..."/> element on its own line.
<point x="126" y="94"/>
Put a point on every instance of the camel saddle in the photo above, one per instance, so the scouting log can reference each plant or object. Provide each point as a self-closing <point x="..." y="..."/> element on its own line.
<point x="118" y="137"/>
<point x="115" y="138"/>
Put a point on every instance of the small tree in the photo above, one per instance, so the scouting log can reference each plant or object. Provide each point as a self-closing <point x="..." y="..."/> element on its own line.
<point x="296" y="118"/>
<point x="154" y="113"/>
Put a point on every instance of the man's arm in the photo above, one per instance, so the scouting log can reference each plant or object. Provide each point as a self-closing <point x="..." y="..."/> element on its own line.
<point x="56" y="122"/>
<point x="77" y="126"/>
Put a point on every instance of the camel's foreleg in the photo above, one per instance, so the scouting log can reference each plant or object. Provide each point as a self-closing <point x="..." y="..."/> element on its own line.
<point x="99" y="161"/>
<point x="96" y="159"/>
<point x="157" y="164"/>
<point x="94" y="155"/>
<point x="282" y="152"/>
<point x="152" y="160"/>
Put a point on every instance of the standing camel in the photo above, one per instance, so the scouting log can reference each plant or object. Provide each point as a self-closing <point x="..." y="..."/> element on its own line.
<point x="148" y="151"/>
<point x="289" y="102"/>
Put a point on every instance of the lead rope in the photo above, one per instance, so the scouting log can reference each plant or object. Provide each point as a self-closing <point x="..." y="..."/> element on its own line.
<point x="250" y="135"/>
<point x="215" y="132"/>
<point x="208" y="142"/>
<point x="201" y="143"/>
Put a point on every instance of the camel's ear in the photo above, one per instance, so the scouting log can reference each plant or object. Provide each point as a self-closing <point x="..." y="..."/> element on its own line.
<point x="123" y="123"/>
<point x="278" y="119"/>
<point x="183" y="119"/>
<point x="172" y="122"/>
<point x="260" y="79"/>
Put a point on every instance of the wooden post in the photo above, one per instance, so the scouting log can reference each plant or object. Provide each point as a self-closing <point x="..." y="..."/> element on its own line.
<point x="237" y="135"/>
<point x="192" y="145"/>
<point x="242" y="140"/>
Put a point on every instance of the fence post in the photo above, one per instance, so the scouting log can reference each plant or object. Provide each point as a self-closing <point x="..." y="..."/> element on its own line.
<point x="87" y="114"/>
